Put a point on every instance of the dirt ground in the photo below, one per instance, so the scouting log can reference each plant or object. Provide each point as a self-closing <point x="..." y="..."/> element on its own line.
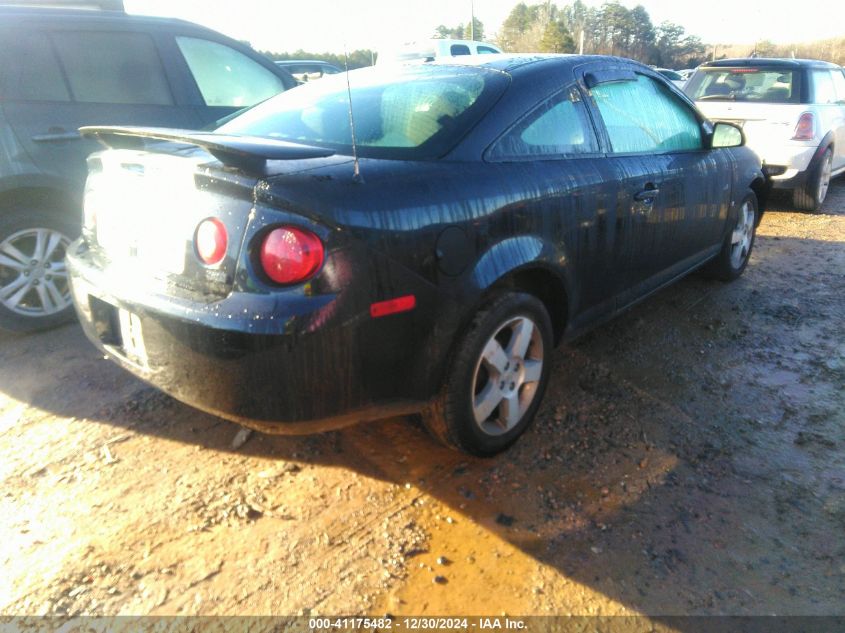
<point x="689" y="458"/>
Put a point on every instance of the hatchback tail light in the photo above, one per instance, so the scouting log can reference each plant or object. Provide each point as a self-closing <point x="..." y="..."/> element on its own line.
<point x="290" y="255"/>
<point x="211" y="241"/>
<point x="806" y="128"/>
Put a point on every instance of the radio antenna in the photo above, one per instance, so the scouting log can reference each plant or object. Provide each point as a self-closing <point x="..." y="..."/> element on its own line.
<point x="356" y="173"/>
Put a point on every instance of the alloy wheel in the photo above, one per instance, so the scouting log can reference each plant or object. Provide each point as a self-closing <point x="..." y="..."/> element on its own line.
<point x="33" y="276"/>
<point x="507" y="375"/>
<point x="742" y="235"/>
<point x="824" y="177"/>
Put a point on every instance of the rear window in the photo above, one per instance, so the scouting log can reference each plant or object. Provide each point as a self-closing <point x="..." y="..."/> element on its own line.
<point x="764" y="85"/>
<point x="411" y="112"/>
<point x="226" y="77"/>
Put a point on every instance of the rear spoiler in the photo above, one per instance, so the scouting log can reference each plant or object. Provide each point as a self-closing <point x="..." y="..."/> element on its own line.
<point x="249" y="153"/>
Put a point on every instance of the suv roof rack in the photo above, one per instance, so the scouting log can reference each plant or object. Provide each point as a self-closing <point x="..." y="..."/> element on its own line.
<point x="98" y="5"/>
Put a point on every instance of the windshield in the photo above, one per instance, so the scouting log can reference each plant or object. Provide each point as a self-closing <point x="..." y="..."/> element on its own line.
<point x="411" y="112"/>
<point x="764" y="85"/>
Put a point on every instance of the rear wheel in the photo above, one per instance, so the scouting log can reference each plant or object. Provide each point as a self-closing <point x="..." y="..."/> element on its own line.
<point x="497" y="377"/>
<point x="731" y="261"/>
<point x="811" y="196"/>
<point x="34" y="289"/>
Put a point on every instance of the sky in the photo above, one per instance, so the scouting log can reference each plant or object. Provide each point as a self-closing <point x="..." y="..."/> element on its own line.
<point x="330" y="25"/>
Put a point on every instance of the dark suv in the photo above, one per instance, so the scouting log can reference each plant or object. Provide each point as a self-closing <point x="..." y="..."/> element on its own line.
<point x="61" y="69"/>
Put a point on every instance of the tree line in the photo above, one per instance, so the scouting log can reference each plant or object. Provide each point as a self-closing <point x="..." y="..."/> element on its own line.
<point x="357" y="59"/>
<point x="611" y="29"/>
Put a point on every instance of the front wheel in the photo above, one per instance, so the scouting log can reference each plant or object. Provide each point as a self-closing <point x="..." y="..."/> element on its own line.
<point x="34" y="289"/>
<point x="497" y="377"/>
<point x="731" y="261"/>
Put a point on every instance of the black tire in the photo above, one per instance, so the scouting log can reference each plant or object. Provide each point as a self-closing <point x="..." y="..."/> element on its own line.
<point x="18" y="230"/>
<point x="730" y="263"/>
<point x="811" y="196"/>
<point x="503" y="321"/>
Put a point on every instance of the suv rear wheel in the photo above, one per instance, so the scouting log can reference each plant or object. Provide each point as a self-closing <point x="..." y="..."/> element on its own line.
<point x="34" y="289"/>
<point x="811" y="196"/>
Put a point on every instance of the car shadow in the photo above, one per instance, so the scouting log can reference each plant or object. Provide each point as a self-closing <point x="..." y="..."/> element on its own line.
<point x="664" y="469"/>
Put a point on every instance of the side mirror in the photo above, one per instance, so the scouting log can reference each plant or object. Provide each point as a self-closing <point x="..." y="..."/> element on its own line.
<point x="727" y="135"/>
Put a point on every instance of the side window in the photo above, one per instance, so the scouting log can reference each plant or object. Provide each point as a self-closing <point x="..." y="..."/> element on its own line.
<point x="29" y="70"/>
<point x="486" y="50"/>
<point x="642" y="116"/>
<point x="559" y="126"/>
<point x="459" y="49"/>
<point x="112" y="67"/>
<point x="839" y="85"/>
<point x="823" y="90"/>
<point x="226" y="77"/>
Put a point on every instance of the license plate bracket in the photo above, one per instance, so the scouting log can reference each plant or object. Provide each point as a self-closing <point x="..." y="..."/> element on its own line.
<point x="132" y="337"/>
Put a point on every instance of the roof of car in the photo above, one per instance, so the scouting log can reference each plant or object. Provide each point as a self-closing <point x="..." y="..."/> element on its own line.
<point x="53" y="13"/>
<point x="515" y="62"/>
<point x="284" y="62"/>
<point x="784" y="62"/>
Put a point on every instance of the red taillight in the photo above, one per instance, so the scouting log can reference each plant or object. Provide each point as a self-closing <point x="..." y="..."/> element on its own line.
<point x="211" y="241"/>
<point x="806" y="129"/>
<point x="290" y="255"/>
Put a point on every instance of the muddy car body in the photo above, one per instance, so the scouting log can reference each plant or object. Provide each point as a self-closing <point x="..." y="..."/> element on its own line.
<point x="436" y="275"/>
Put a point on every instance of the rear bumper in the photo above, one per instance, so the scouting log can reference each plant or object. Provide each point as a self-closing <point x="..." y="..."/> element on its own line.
<point x="792" y="166"/>
<point x="310" y="366"/>
<point x="786" y="167"/>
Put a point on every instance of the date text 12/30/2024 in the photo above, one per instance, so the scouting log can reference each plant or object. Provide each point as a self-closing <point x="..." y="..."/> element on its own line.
<point x="414" y="623"/>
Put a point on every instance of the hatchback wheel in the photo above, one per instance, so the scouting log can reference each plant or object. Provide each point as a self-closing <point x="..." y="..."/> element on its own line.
<point x="497" y="377"/>
<point x="811" y="196"/>
<point x="34" y="289"/>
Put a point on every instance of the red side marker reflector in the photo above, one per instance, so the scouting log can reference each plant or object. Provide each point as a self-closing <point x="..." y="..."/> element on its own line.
<point x="392" y="306"/>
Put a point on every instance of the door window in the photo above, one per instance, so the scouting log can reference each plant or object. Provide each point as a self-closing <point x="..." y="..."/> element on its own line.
<point x="643" y="116"/>
<point x="560" y="126"/>
<point x="227" y="77"/>
<point x="823" y="87"/>
<point x="486" y="50"/>
<point x="29" y="70"/>
<point x="112" y="68"/>
<point x="839" y="85"/>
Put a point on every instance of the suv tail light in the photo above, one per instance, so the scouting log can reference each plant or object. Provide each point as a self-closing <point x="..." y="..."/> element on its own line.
<point x="290" y="255"/>
<point x="211" y="240"/>
<point x="806" y="128"/>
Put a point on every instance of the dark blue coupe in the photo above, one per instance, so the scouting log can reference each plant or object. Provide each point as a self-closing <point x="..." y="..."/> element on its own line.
<point x="416" y="240"/>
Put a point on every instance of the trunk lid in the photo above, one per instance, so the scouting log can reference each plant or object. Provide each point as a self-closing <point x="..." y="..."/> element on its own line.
<point x="142" y="210"/>
<point x="762" y="123"/>
<point x="146" y="196"/>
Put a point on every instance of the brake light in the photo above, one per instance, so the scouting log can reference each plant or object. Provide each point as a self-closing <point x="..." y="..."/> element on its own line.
<point x="290" y="255"/>
<point x="806" y="128"/>
<point x="211" y="240"/>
